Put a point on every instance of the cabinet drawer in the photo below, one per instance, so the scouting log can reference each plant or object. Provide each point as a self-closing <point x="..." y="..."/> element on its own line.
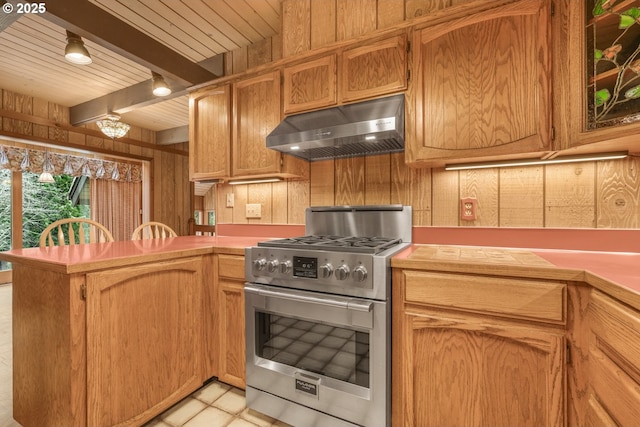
<point x="617" y="331"/>
<point x="231" y="266"/>
<point x="528" y="299"/>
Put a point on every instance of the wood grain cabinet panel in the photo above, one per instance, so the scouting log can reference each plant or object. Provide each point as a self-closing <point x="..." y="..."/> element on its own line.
<point x="480" y="86"/>
<point x="143" y="340"/>
<point x="310" y="85"/>
<point x="374" y="69"/>
<point x="231" y="320"/>
<point x="210" y="133"/>
<point x="474" y="369"/>
<point x="614" y="362"/>
<point x="256" y="112"/>
<point x="108" y="347"/>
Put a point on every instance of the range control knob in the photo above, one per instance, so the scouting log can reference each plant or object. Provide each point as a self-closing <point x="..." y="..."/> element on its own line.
<point x="273" y="265"/>
<point x="326" y="270"/>
<point x="285" y="267"/>
<point x="259" y="264"/>
<point x="342" y="272"/>
<point x="360" y="273"/>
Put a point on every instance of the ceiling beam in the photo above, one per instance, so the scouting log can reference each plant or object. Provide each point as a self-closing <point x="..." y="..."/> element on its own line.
<point x="99" y="26"/>
<point x="173" y="135"/>
<point x="133" y="97"/>
<point x="7" y="18"/>
<point x="120" y="102"/>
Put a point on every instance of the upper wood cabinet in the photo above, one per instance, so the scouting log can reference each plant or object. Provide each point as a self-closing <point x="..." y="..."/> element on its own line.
<point x="229" y="125"/>
<point x="210" y="133"/>
<point x="310" y="85"/>
<point x="366" y="71"/>
<point x="590" y="52"/>
<point x="480" y="86"/>
<point x="374" y="69"/>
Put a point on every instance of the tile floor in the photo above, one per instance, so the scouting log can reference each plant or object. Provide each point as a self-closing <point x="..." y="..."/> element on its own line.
<point x="214" y="405"/>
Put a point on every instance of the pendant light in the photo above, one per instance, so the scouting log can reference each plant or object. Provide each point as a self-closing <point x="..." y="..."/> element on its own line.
<point x="113" y="127"/>
<point x="159" y="85"/>
<point x="47" y="169"/>
<point x="76" y="52"/>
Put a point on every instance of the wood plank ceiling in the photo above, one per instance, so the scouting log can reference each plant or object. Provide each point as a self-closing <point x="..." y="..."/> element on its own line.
<point x="125" y="44"/>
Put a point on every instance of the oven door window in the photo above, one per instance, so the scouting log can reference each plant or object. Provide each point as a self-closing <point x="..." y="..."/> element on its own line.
<point x="332" y="351"/>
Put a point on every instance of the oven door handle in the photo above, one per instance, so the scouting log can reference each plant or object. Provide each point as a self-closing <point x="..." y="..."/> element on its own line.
<point x="343" y="303"/>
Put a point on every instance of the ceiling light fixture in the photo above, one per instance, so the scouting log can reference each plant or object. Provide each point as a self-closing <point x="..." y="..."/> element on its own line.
<point x="254" y="181"/>
<point x="535" y="162"/>
<point x="76" y="52"/>
<point x="159" y="85"/>
<point x="113" y="127"/>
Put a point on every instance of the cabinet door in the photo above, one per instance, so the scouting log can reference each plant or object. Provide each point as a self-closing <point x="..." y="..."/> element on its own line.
<point x="310" y="85"/>
<point x="210" y="133"/>
<point x="474" y="372"/>
<point x="578" y="119"/>
<point x="481" y="86"/>
<point x="144" y="333"/>
<point x="256" y="112"/>
<point x="375" y="69"/>
<point x="231" y="320"/>
<point x="614" y="361"/>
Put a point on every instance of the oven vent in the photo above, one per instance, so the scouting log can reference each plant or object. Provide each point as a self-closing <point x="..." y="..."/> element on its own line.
<point x="363" y="128"/>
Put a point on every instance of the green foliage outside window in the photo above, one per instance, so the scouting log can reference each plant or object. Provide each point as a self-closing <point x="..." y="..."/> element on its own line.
<point x="42" y="204"/>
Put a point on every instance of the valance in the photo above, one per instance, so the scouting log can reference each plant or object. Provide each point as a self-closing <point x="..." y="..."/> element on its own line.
<point x="33" y="160"/>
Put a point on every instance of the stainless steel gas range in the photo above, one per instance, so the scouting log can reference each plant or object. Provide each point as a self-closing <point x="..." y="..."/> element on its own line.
<point x="318" y="318"/>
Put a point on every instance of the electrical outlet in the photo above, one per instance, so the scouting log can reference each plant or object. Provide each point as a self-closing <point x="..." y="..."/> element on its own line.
<point x="254" y="210"/>
<point x="230" y="200"/>
<point x="468" y="209"/>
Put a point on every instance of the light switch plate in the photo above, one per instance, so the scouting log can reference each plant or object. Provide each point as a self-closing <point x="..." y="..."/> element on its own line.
<point x="254" y="210"/>
<point x="230" y="200"/>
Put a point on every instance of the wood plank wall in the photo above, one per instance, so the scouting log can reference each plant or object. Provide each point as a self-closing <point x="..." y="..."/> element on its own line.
<point x="44" y="122"/>
<point x="580" y="195"/>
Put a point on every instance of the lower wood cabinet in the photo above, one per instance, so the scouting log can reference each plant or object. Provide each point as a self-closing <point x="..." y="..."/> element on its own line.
<point x="108" y="347"/>
<point x="230" y="306"/>
<point x="467" y="352"/>
<point x="614" y="363"/>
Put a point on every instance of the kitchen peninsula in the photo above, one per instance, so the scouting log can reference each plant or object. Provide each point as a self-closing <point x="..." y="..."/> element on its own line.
<point x="114" y="333"/>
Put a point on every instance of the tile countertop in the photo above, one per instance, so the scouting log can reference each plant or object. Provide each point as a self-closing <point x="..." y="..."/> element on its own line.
<point x="616" y="273"/>
<point x="96" y="256"/>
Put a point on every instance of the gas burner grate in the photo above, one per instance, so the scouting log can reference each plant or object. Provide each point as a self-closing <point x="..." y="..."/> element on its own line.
<point x="359" y="244"/>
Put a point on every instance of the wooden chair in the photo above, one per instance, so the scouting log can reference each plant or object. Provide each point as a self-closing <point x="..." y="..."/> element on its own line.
<point x="152" y="230"/>
<point x="78" y="231"/>
<point x="201" y="230"/>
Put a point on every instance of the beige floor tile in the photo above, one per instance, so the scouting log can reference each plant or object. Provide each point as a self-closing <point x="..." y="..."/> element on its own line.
<point x="232" y="401"/>
<point x="211" y="392"/>
<point x="210" y="417"/>
<point x="157" y="423"/>
<point x="182" y="412"/>
<point x="239" y="422"/>
<point x="257" y="418"/>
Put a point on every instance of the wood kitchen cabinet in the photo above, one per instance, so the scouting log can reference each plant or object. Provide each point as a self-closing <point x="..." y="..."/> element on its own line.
<point x="256" y="112"/>
<point x="210" y="133"/>
<point x="614" y="363"/>
<point x="477" y="350"/>
<point x="231" y="349"/>
<point x="374" y="69"/>
<point x="577" y="120"/>
<point x="480" y="86"/>
<point x="366" y="71"/>
<point x="310" y="85"/>
<point x="114" y="346"/>
<point x="229" y="125"/>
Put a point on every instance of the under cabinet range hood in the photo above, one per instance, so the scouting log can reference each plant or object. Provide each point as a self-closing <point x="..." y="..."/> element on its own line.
<point x="363" y="128"/>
